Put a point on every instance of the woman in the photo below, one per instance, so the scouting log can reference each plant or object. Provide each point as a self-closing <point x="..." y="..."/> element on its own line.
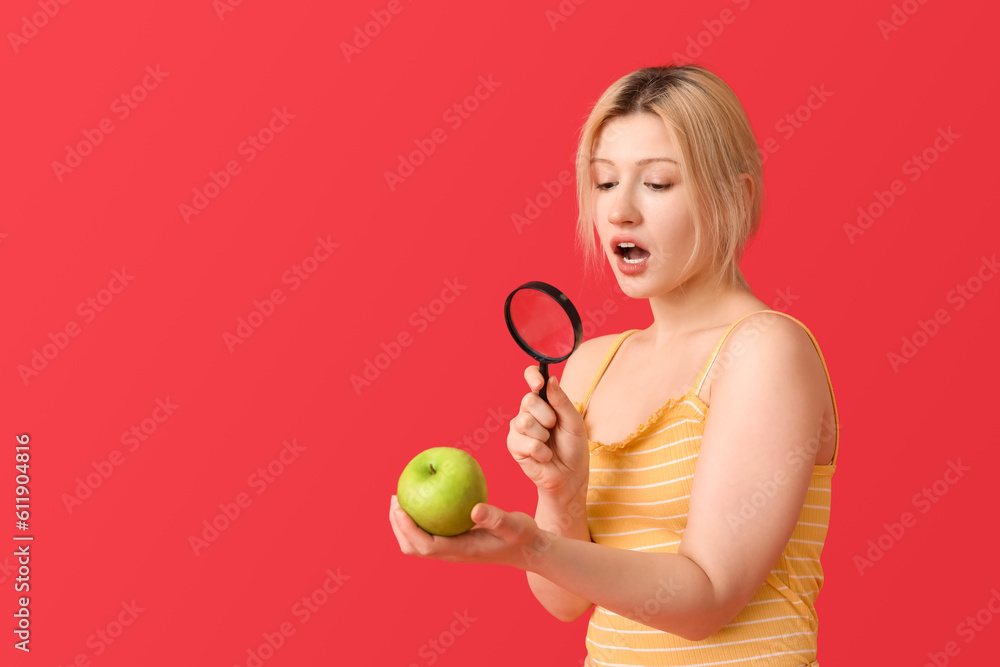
<point x="678" y="563"/>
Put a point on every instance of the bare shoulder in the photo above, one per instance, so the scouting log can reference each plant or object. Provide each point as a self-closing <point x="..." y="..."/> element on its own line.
<point x="583" y="364"/>
<point x="770" y="326"/>
<point x="773" y="354"/>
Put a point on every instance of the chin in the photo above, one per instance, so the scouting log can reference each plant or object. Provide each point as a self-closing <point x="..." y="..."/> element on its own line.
<point x="642" y="287"/>
<point x="633" y="288"/>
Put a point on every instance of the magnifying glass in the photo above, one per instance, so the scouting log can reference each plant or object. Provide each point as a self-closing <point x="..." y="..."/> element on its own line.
<point x="545" y="323"/>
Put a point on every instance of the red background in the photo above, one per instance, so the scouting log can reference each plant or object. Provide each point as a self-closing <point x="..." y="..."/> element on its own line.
<point x="323" y="175"/>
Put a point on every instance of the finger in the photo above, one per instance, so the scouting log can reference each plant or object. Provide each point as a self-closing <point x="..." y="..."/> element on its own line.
<point x="526" y="450"/>
<point x="413" y="540"/>
<point x="543" y="413"/>
<point x="533" y="376"/>
<point x="526" y="424"/>
<point x="490" y="517"/>
<point x="508" y="526"/>
<point x="404" y="544"/>
<point x="569" y="418"/>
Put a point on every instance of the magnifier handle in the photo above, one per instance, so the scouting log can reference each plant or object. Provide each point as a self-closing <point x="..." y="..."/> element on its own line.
<point x="544" y="368"/>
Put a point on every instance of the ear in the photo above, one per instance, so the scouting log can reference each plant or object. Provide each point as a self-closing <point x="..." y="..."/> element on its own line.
<point x="748" y="182"/>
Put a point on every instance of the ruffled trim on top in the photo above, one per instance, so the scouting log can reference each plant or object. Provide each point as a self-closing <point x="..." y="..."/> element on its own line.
<point x="654" y="419"/>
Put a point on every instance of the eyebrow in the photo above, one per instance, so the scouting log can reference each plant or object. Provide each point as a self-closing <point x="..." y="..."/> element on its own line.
<point x="640" y="163"/>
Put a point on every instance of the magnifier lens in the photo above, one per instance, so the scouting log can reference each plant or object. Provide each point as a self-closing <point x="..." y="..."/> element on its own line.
<point x="542" y="323"/>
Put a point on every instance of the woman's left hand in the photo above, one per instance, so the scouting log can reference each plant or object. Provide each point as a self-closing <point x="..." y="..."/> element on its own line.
<point x="504" y="538"/>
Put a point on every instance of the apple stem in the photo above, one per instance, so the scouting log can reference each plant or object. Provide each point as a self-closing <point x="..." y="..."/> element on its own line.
<point x="433" y="471"/>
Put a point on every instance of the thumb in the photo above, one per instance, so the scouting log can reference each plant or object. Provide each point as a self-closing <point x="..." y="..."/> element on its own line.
<point x="490" y="517"/>
<point x="569" y="418"/>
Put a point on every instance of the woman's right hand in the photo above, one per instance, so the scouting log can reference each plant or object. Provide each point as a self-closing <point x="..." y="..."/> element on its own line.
<point x="549" y="440"/>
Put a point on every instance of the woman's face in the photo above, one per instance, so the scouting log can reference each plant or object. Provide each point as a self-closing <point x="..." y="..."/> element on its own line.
<point x="640" y="199"/>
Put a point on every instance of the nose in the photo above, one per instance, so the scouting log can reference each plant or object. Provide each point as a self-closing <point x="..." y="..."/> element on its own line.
<point x="623" y="208"/>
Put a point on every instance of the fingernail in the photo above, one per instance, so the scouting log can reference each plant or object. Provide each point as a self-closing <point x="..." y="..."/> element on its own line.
<point x="555" y="382"/>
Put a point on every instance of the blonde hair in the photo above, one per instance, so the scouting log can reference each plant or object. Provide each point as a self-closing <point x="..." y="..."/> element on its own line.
<point x="717" y="147"/>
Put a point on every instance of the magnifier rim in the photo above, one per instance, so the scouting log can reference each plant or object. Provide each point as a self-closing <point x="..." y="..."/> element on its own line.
<point x="564" y="303"/>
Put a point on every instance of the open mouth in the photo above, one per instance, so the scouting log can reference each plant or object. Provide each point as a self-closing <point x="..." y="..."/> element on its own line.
<point x="631" y="253"/>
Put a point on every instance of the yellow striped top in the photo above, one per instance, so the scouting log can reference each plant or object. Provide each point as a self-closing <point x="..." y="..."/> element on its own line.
<point x="638" y="499"/>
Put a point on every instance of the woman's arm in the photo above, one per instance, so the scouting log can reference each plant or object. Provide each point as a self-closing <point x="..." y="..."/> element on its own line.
<point x="766" y="412"/>
<point x="566" y="520"/>
<point x="566" y="514"/>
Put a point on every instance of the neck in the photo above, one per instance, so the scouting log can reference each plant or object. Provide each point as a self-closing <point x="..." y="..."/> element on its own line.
<point x="693" y="307"/>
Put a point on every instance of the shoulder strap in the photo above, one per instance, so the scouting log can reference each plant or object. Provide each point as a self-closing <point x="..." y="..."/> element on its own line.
<point x="604" y="366"/>
<point x="711" y="360"/>
<point x="704" y="372"/>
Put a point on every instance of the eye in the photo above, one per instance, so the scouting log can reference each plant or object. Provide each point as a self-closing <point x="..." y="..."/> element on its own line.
<point x="660" y="186"/>
<point x="604" y="186"/>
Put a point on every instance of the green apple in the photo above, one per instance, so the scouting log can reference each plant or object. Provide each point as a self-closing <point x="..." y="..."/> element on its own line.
<point x="439" y="488"/>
